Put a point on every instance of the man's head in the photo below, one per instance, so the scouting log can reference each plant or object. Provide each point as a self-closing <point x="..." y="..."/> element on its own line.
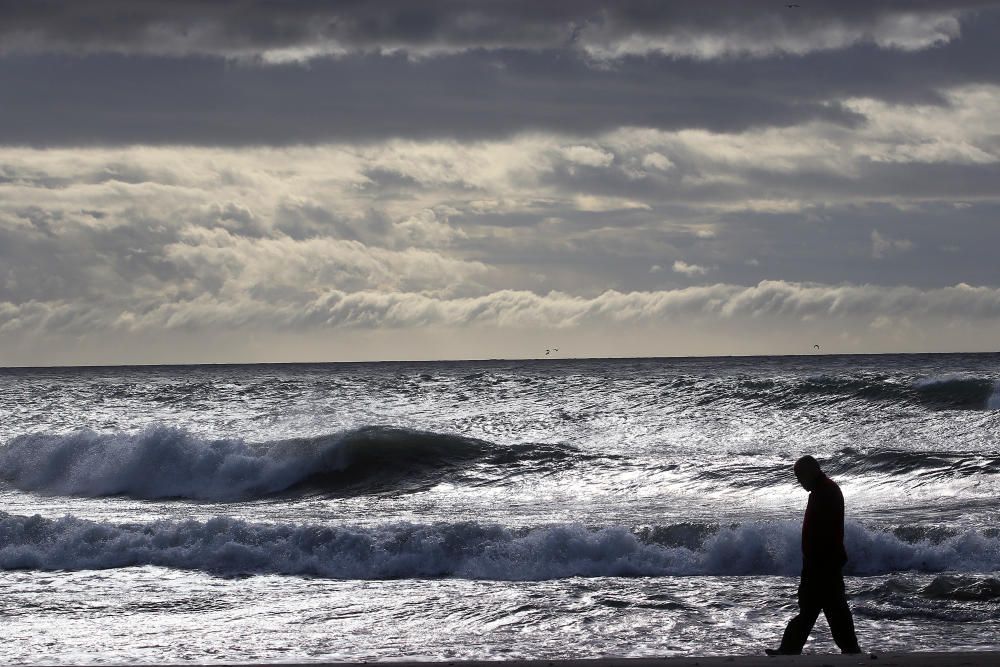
<point x="808" y="472"/>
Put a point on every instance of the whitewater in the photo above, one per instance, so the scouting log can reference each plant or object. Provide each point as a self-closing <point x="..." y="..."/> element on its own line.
<point x="489" y="509"/>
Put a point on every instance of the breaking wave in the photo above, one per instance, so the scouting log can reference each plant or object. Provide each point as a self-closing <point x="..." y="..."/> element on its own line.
<point x="165" y="462"/>
<point x="470" y="550"/>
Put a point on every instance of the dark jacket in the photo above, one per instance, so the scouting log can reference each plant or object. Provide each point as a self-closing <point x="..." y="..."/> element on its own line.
<point x="823" y="528"/>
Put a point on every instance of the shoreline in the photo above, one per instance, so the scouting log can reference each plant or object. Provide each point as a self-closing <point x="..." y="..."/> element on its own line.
<point x="889" y="659"/>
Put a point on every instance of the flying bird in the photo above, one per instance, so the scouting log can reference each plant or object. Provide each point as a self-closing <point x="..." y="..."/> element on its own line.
<point x="546" y="353"/>
<point x="816" y="346"/>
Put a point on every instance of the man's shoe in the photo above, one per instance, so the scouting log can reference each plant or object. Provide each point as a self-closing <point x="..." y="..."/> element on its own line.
<point x="777" y="651"/>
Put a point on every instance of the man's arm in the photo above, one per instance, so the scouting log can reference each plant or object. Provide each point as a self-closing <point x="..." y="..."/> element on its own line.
<point x="823" y="528"/>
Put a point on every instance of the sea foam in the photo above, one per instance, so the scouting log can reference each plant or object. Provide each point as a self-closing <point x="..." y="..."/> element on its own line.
<point x="993" y="403"/>
<point x="471" y="550"/>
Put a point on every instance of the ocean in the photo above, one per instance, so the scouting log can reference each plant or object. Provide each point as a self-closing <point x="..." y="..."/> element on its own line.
<point x="489" y="509"/>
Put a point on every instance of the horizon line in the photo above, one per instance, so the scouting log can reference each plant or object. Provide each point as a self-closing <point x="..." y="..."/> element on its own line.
<point x="491" y="359"/>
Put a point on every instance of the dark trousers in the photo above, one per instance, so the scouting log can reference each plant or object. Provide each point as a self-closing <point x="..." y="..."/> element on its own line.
<point x="821" y="590"/>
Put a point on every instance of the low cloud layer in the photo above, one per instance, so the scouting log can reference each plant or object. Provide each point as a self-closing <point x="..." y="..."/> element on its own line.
<point x="774" y="317"/>
<point x="774" y="301"/>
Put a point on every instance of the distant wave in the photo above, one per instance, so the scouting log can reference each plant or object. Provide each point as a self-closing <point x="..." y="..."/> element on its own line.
<point x="926" y="465"/>
<point x="946" y="392"/>
<point x="960" y="391"/>
<point x="165" y="462"/>
<point x="469" y="550"/>
<point x="903" y="469"/>
<point x="961" y="587"/>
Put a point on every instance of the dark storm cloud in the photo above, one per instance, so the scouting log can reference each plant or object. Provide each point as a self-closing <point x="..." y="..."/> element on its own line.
<point x="240" y="28"/>
<point x="107" y="100"/>
<point x="50" y="98"/>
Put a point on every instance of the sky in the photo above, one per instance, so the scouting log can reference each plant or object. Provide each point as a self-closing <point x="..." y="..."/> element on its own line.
<point x="190" y="182"/>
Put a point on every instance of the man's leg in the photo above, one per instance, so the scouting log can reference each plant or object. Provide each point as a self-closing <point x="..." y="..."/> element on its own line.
<point x="838" y="615"/>
<point x="798" y="629"/>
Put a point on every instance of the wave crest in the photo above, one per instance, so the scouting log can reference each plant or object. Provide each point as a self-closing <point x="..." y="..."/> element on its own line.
<point x="166" y="462"/>
<point x="469" y="550"/>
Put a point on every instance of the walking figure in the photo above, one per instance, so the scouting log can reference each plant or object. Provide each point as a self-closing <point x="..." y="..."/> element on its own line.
<point x="821" y="587"/>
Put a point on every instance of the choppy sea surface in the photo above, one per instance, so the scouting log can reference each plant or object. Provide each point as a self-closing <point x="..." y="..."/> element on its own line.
<point x="544" y="509"/>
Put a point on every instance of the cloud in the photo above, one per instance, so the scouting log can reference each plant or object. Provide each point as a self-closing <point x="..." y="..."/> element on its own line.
<point x="368" y="309"/>
<point x="281" y="32"/>
<point x="220" y="73"/>
<point x="197" y="100"/>
<point x="656" y="160"/>
<point x="681" y="266"/>
<point x="595" y="203"/>
<point x="772" y="317"/>
<point x="766" y="33"/>
<point x="297" y="268"/>
<point x="297" y="168"/>
<point x="426" y="228"/>
<point x="588" y="156"/>
<point x="89" y="223"/>
<point x="883" y="246"/>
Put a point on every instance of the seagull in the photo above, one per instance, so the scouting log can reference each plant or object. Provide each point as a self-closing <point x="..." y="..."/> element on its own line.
<point x="816" y="346"/>
<point x="546" y="353"/>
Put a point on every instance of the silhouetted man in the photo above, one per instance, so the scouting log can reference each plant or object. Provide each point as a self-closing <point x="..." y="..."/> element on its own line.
<point x="821" y="587"/>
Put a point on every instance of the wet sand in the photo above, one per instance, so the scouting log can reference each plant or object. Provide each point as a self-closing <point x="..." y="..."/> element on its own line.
<point x="944" y="659"/>
<point x="948" y="659"/>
